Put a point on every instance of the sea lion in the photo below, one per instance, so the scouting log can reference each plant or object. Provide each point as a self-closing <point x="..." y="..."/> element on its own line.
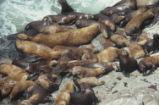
<point x="136" y="23"/>
<point x="141" y="3"/>
<point x="106" y="21"/>
<point x="47" y="81"/>
<point x="149" y="64"/>
<point x="120" y="6"/>
<point x="136" y="51"/>
<point x="60" y="19"/>
<point x="142" y="39"/>
<point x="20" y="87"/>
<point x="63" y="98"/>
<point x="90" y="81"/>
<point x="119" y="40"/>
<point x="45" y="27"/>
<point x="43" y="51"/>
<point x="79" y="36"/>
<point x="94" y="69"/>
<point x="14" y="72"/>
<point x="130" y="15"/>
<point x="66" y="9"/>
<point x="85" y="96"/>
<point x="87" y="72"/>
<point x="127" y="64"/>
<point x="108" y="55"/>
<point x="85" y="23"/>
<point x="34" y="27"/>
<point x="151" y="45"/>
<point x="6" y="85"/>
<point x="38" y="95"/>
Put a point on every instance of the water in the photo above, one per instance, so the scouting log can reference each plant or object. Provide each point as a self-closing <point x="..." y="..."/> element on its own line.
<point x="15" y="14"/>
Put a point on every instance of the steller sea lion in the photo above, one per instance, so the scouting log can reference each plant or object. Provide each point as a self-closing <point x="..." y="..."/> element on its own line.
<point x="14" y="72"/>
<point x="120" y="6"/>
<point x="119" y="40"/>
<point x="127" y="64"/>
<point x="149" y="64"/>
<point x="79" y="36"/>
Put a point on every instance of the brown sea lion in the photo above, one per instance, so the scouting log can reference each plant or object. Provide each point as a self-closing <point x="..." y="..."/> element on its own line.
<point x="6" y="85"/>
<point x="142" y="39"/>
<point x="94" y="69"/>
<point x="130" y="15"/>
<point x="85" y="23"/>
<point x="63" y="98"/>
<point x="21" y="86"/>
<point x="43" y="51"/>
<point x="79" y="36"/>
<point x="90" y="81"/>
<point x="120" y="6"/>
<point x="14" y="72"/>
<point x="119" y="40"/>
<point x="108" y="55"/>
<point x="141" y="3"/>
<point x="137" y="22"/>
<point x="136" y="51"/>
<point x="149" y="64"/>
<point x="87" y="72"/>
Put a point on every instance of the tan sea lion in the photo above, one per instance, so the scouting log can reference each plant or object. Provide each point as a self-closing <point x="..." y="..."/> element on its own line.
<point x="14" y="72"/>
<point x="79" y="36"/>
<point x="149" y="64"/>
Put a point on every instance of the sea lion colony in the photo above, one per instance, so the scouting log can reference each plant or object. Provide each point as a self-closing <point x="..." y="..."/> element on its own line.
<point x="51" y="49"/>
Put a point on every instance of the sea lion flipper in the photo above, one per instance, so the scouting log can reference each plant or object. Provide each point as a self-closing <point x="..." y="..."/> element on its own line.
<point x="65" y="7"/>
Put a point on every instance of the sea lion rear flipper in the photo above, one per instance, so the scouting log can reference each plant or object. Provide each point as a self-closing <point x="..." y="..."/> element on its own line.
<point x="65" y="7"/>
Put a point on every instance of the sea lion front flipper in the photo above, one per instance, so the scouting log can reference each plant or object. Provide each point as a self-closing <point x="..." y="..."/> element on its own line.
<point x="65" y="7"/>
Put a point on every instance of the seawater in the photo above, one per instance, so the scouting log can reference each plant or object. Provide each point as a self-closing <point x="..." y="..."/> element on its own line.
<point x="15" y="14"/>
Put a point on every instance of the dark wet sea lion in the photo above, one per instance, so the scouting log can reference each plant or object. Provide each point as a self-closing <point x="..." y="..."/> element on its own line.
<point x="120" y="6"/>
<point x="151" y="45"/>
<point x="68" y="10"/>
<point x="106" y="21"/>
<point x="84" y="97"/>
<point x="149" y="64"/>
<point x="38" y="95"/>
<point x="60" y="19"/>
<point x="127" y="64"/>
<point x="34" y="27"/>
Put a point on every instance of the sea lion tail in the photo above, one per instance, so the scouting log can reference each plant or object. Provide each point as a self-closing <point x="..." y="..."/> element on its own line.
<point x="65" y="7"/>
